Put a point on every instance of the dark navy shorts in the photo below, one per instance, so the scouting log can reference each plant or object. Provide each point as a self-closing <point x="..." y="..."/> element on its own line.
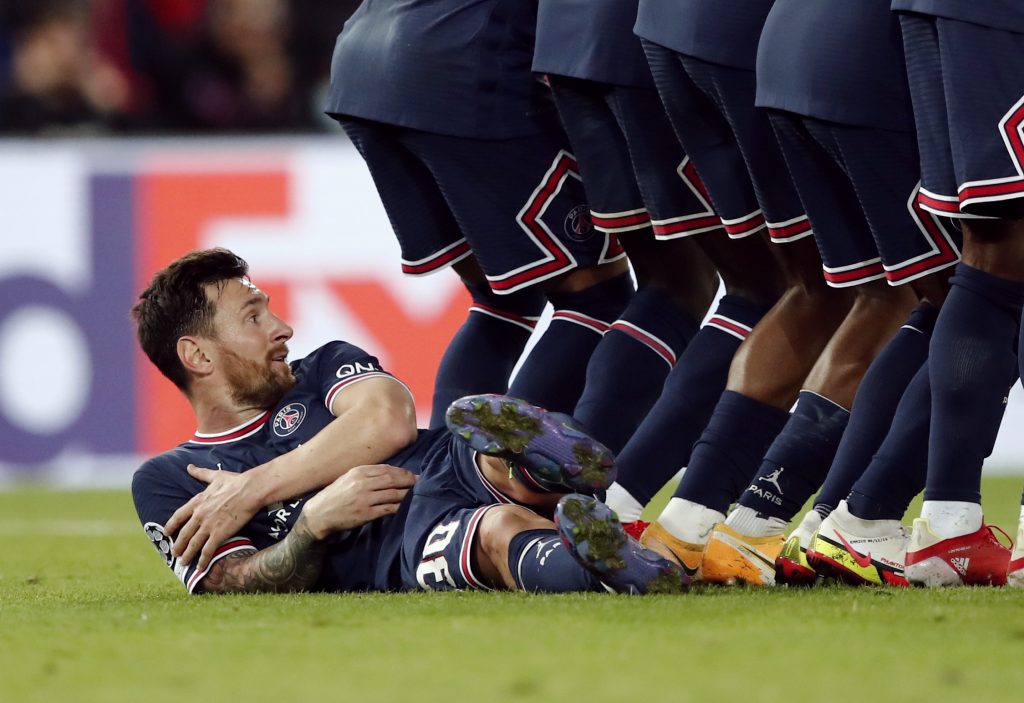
<point x="636" y="174"/>
<point x="449" y="500"/>
<point x="967" y="87"/>
<point x="517" y="205"/>
<point x="732" y="145"/>
<point x="860" y="187"/>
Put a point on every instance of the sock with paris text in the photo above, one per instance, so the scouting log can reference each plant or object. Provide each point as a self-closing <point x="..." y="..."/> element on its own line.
<point x="798" y="460"/>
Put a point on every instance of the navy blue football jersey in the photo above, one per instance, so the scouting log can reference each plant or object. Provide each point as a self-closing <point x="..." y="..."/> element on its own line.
<point x="835" y="60"/>
<point x="455" y="67"/>
<point x="720" y="31"/>
<point x="592" y="40"/>
<point x="999" y="14"/>
<point x="363" y="558"/>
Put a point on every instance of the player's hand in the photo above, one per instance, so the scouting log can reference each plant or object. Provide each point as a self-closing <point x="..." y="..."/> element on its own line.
<point x="201" y="525"/>
<point x="363" y="494"/>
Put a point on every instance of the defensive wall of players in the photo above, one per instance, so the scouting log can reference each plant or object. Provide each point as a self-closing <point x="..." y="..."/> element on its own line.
<point x="84" y="224"/>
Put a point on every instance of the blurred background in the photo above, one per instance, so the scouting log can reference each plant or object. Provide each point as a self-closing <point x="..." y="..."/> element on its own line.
<point x="132" y="131"/>
<point x="104" y="67"/>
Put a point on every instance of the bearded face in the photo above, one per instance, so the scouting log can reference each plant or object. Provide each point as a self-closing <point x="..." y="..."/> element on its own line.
<point x="254" y="383"/>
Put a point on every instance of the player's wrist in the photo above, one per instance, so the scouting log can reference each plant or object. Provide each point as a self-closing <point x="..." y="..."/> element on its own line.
<point x="313" y="523"/>
<point x="258" y="489"/>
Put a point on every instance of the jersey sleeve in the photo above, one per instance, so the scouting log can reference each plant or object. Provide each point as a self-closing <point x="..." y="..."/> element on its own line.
<point x="159" y="488"/>
<point x="340" y="365"/>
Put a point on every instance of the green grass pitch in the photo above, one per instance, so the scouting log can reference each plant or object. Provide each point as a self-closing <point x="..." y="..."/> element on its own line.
<point x="88" y="613"/>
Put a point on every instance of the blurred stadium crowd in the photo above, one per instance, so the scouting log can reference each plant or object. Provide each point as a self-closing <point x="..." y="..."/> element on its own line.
<point x="72" y="67"/>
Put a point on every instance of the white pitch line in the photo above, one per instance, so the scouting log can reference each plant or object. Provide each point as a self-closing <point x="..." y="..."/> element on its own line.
<point x="68" y="528"/>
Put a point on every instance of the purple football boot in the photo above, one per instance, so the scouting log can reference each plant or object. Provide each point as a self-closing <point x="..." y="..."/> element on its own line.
<point x="547" y="451"/>
<point x="594" y="535"/>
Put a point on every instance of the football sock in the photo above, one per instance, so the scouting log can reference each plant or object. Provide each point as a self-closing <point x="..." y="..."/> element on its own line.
<point x="972" y="364"/>
<point x="553" y="373"/>
<point x="875" y="405"/>
<point x="625" y="505"/>
<point x="729" y="451"/>
<point x="799" y="458"/>
<point x="952" y="518"/>
<point x="485" y="349"/>
<point x="691" y="522"/>
<point x="872" y="528"/>
<point x="539" y="562"/>
<point x="897" y="471"/>
<point x="661" y="446"/>
<point x="627" y="371"/>
<point x="750" y="523"/>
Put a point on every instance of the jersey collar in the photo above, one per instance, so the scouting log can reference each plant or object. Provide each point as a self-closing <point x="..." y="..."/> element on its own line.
<point x="249" y="427"/>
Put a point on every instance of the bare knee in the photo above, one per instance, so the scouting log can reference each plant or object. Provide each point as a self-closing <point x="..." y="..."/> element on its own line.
<point x="879" y="300"/>
<point x="496" y="530"/>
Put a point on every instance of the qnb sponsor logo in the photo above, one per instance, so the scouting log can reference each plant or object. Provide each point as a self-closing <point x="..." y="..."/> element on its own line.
<point x="346" y="370"/>
<point x="288" y="419"/>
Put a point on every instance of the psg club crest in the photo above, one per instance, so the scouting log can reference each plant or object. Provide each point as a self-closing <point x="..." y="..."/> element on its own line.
<point x="288" y="419"/>
<point x="577" y="223"/>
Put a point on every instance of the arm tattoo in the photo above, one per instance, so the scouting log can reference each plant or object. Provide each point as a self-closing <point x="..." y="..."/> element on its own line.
<point x="291" y="565"/>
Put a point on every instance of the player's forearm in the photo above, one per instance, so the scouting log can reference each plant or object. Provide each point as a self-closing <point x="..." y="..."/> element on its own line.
<point x="362" y="435"/>
<point x="294" y="564"/>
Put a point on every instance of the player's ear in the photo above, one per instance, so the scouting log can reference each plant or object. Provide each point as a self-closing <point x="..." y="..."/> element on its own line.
<point x="193" y="356"/>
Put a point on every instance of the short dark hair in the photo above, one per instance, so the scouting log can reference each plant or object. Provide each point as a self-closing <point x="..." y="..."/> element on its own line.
<point x="175" y="304"/>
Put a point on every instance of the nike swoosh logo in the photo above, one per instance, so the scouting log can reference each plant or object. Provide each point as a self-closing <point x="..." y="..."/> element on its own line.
<point x="687" y="570"/>
<point x="757" y="555"/>
<point x="862" y="560"/>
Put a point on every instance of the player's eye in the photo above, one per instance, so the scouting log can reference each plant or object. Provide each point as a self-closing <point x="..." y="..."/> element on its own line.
<point x="254" y="318"/>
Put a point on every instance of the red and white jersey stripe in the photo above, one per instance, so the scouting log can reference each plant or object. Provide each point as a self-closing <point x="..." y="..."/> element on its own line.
<point x="451" y="254"/>
<point x="744" y="226"/>
<point x="854" y="274"/>
<point x="652" y="342"/>
<point x="466" y="552"/>
<point x="790" y="230"/>
<point x="527" y="323"/>
<point x="578" y="318"/>
<point x="618" y="222"/>
<point x="990" y="190"/>
<point x="488" y="486"/>
<point x="246" y="429"/>
<point x="232" y="546"/>
<point x="352" y="380"/>
<point x="942" y="249"/>
<point x="729" y="326"/>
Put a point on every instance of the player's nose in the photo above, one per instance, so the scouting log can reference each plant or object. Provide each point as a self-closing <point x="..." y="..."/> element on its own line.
<point x="282" y="331"/>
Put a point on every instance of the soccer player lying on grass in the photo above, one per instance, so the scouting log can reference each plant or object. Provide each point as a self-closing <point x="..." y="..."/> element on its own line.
<point x="322" y="481"/>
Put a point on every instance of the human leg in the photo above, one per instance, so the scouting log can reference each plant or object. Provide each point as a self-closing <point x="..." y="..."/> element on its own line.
<point x="767" y="370"/>
<point x="486" y="347"/>
<point x="526" y="223"/>
<point x="431" y="239"/>
<point x="628" y="158"/>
